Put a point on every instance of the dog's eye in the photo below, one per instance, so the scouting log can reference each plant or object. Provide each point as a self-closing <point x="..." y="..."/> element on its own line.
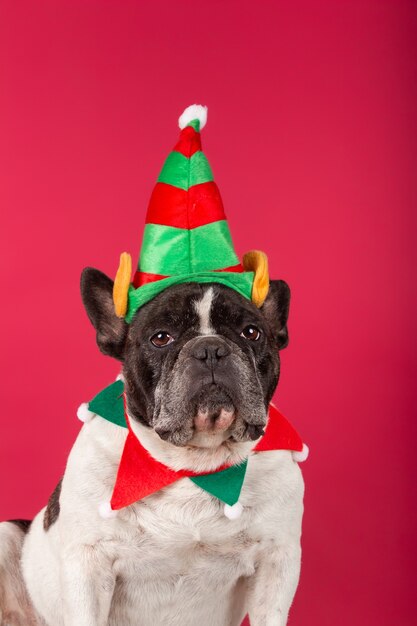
<point x="161" y="339"/>
<point x="251" y="332"/>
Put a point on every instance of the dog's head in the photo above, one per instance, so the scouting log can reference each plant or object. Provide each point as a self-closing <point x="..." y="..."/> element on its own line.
<point x="200" y="362"/>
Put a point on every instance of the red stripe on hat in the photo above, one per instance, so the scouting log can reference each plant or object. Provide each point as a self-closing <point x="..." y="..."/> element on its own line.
<point x="189" y="142"/>
<point x="171" y="206"/>
<point x="233" y="268"/>
<point x="143" y="278"/>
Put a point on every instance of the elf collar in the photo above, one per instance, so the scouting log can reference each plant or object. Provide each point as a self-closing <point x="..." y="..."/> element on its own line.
<point x="139" y="474"/>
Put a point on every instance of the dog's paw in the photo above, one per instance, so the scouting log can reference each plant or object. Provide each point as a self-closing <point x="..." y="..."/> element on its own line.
<point x="301" y="456"/>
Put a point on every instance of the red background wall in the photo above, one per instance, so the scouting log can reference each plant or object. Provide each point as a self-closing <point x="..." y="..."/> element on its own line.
<point x="311" y="136"/>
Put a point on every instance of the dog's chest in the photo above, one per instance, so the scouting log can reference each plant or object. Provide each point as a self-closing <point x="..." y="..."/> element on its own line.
<point x="183" y="552"/>
<point x="180" y="532"/>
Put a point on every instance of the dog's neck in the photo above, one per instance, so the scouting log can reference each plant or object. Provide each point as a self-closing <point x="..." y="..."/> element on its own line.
<point x="204" y="453"/>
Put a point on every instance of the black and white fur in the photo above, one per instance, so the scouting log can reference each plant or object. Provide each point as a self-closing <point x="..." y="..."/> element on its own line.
<point x="196" y="402"/>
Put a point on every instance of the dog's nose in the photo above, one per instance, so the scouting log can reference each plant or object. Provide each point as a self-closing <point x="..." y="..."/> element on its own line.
<point x="210" y="350"/>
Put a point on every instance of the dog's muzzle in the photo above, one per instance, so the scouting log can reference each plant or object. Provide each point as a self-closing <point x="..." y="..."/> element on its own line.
<point x="209" y="397"/>
<point x="215" y="410"/>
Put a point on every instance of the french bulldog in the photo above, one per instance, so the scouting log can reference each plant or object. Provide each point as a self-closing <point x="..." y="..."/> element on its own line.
<point x="200" y="364"/>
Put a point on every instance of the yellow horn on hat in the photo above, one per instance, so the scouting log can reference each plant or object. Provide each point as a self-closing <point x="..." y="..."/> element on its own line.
<point x="257" y="261"/>
<point x="121" y="284"/>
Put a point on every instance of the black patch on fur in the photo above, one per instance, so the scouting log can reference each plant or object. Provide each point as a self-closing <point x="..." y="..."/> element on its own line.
<point x="52" y="510"/>
<point x="23" y="524"/>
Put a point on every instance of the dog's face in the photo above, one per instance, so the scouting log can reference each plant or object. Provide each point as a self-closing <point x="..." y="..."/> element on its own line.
<point x="200" y="361"/>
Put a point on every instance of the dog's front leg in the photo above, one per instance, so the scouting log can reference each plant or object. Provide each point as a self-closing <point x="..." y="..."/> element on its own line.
<point x="271" y="589"/>
<point x="87" y="582"/>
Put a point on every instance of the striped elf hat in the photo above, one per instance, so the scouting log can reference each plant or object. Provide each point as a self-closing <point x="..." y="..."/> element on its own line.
<point x="187" y="237"/>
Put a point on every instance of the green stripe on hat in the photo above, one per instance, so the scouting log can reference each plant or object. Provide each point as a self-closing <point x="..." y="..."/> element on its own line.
<point x="170" y="251"/>
<point x="182" y="172"/>
<point x="240" y="282"/>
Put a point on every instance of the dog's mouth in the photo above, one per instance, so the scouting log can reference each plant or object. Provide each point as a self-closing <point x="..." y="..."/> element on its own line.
<point x="215" y="417"/>
<point x="214" y="411"/>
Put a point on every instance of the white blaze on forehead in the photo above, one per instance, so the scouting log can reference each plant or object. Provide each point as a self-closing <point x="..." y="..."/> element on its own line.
<point x="203" y="308"/>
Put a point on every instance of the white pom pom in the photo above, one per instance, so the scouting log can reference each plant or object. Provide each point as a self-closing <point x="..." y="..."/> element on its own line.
<point x="84" y="414"/>
<point x="233" y="511"/>
<point x="120" y="377"/>
<point x="105" y="511"/>
<point x="193" y="112"/>
<point x="299" y="457"/>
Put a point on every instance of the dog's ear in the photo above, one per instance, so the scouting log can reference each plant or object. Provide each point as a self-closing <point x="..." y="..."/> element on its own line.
<point x="97" y="296"/>
<point x="275" y="309"/>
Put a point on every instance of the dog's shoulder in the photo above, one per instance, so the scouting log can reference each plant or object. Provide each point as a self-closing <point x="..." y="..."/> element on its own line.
<point x="96" y="450"/>
<point x="90" y="472"/>
<point x="273" y="491"/>
<point x="273" y="473"/>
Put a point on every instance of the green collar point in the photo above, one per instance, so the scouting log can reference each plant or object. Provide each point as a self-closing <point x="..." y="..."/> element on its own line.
<point x="225" y="485"/>
<point x="109" y="404"/>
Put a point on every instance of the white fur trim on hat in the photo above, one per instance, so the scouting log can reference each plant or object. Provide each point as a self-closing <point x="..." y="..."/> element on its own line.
<point x="193" y="112"/>
<point x="84" y="414"/>
<point x="299" y="457"/>
<point x="105" y="510"/>
<point x="233" y="511"/>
